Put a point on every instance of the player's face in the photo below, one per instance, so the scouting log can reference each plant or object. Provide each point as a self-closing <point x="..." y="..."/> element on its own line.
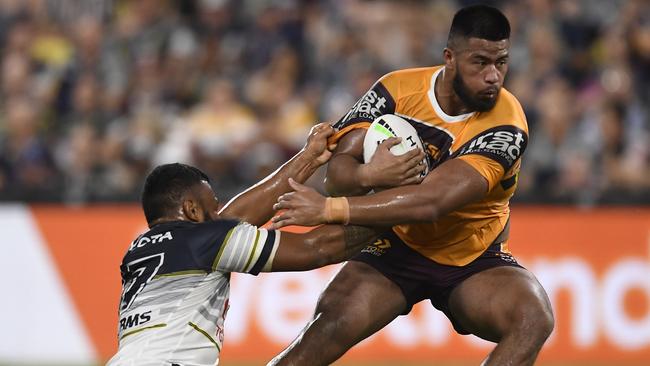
<point x="208" y="201"/>
<point x="480" y="68"/>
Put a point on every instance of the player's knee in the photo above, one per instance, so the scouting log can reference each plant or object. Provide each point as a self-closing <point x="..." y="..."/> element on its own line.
<point x="544" y="318"/>
<point x="336" y="327"/>
<point x="328" y="305"/>
<point x="335" y="300"/>
<point x="334" y="322"/>
<point x="545" y="323"/>
<point x="535" y="318"/>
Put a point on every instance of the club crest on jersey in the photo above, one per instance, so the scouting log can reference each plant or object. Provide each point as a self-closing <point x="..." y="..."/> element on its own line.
<point x="432" y="150"/>
<point x="156" y="238"/>
<point x="505" y="144"/>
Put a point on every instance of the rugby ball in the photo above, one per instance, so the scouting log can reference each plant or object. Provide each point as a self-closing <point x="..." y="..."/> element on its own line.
<point x="390" y="125"/>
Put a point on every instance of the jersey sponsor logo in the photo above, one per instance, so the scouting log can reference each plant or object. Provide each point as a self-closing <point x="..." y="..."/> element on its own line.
<point x="135" y="319"/>
<point x="505" y="144"/>
<point x="376" y="102"/>
<point x="377" y="248"/>
<point x="155" y="239"/>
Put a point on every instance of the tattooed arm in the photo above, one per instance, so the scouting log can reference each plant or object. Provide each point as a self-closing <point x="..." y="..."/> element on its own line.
<point x="325" y="245"/>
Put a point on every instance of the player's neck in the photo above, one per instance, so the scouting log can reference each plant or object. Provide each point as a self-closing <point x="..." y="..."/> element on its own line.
<point x="164" y="220"/>
<point x="447" y="98"/>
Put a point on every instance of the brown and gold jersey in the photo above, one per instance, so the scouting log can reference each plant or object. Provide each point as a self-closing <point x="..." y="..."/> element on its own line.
<point x="492" y="142"/>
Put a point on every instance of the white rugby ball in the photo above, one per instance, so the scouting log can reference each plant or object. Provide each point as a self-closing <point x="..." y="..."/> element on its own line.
<point x="390" y="125"/>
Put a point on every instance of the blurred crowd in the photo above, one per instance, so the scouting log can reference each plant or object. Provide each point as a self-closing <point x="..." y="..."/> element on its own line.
<point x="96" y="92"/>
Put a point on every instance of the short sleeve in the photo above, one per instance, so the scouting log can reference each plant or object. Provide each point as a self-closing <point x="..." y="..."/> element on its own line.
<point x="488" y="168"/>
<point x="231" y="246"/>
<point x="377" y="101"/>
<point x="494" y="151"/>
<point x="246" y="248"/>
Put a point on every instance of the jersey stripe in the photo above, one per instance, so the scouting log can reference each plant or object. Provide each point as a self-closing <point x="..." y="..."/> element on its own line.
<point x="232" y="256"/>
<point x="141" y="329"/>
<point x="269" y="263"/>
<point x="250" y="257"/>
<point x="269" y="245"/>
<point x="223" y="246"/>
<point x="196" y="327"/>
<point x="243" y="249"/>
<point x="181" y="273"/>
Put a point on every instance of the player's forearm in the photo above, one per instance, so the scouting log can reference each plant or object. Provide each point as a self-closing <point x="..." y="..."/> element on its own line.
<point x="335" y="244"/>
<point x="328" y="244"/>
<point x="345" y="177"/>
<point x="446" y="189"/>
<point x="255" y="205"/>
<point x="394" y="206"/>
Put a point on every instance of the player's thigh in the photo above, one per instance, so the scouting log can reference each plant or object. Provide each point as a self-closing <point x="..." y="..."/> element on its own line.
<point x="499" y="300"/>
<point x="359" y="301"/>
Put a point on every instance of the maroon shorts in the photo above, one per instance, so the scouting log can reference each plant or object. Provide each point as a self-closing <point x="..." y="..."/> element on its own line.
<point x="421" y="278"/>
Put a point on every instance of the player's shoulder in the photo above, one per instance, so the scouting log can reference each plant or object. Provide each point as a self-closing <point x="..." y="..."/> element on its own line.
<point x="507" y="111"/>
<point x="165" y="236"/>
<point x="213" y="231"/>
<point x="410" y="80"/>
<point x="189" y="230"/>
<point x="412" y="73"/>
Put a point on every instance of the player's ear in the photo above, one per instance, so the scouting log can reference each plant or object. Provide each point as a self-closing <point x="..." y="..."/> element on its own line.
<point x="449" y="57"/>
<point x="192" y="210"/>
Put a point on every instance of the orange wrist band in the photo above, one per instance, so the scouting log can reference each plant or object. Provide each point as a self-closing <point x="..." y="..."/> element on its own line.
<point x="337" y="210"/>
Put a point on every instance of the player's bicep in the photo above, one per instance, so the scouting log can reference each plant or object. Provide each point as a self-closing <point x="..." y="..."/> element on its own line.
<point x="296" y="252"/>
<point x="342" y="169"/>
<point x="246" y="248"/>
<point x="453" y="185"/>
<point x="324" y="245"/>
<point x="488" y="168"/>
<point x="351" y="144"/>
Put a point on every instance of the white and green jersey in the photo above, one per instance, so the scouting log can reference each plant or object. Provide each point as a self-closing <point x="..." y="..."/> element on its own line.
<point x="175" y="289"/>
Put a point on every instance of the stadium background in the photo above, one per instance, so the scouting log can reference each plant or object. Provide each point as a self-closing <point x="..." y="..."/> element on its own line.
<point x="96" y="92"/>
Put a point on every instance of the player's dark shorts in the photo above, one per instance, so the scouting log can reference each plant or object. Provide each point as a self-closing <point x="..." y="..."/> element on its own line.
<point x="421" y="278"/>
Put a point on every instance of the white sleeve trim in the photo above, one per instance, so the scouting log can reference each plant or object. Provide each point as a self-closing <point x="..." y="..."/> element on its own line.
<point x="243" y="249"/>
<point x="269" y="263"/>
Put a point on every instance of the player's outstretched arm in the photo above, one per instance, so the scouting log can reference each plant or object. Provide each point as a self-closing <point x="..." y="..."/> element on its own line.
<point x="255" y="205"/>
<point x="347" y="175"/>
<point x="325" y="245"/>
<point x="450" y="186"/>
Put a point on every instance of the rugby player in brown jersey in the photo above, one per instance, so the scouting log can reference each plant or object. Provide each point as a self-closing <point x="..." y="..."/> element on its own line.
<point x="449" y="243"/>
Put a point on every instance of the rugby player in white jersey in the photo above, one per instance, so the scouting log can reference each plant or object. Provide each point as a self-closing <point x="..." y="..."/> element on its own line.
<point x="176" y="275"/>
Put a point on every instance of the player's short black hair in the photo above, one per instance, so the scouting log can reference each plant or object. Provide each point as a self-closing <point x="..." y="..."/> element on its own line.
<point x="164" y="188"/>
<point x="478" y="21"/>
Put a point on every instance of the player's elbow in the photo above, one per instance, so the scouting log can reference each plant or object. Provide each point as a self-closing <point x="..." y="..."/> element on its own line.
<point x="339" y="187"/>
<point x="425" y="211"/>
<point x="331" y="187"/>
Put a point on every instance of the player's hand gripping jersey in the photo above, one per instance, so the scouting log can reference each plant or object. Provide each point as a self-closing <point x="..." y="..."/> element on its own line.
<point x="175" y="292"/>
<point x="492" y="142"/>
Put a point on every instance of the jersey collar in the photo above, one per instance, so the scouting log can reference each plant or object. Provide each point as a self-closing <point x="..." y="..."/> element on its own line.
<point x="436" y="106"/>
